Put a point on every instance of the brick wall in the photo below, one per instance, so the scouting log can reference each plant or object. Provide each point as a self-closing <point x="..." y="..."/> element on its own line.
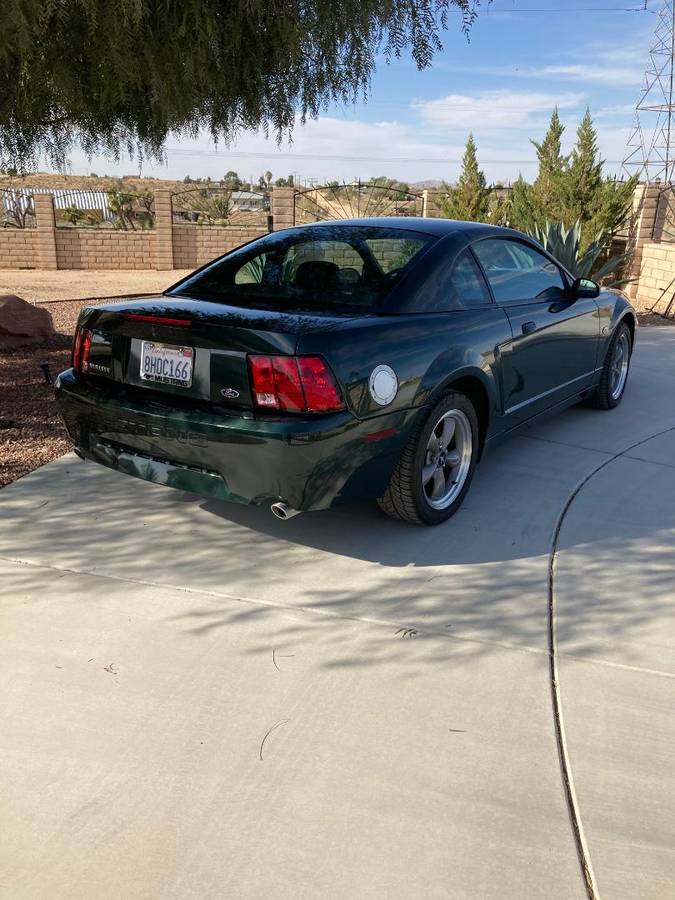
<point x="194" y="245"/>
<point x="92" y="248"/>
<point x="18" y="248"/>
<point x="656" y="283"/>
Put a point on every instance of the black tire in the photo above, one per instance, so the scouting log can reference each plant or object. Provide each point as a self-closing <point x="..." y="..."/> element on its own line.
<point x="602" y="397"/>
<point x="405" y="497"/>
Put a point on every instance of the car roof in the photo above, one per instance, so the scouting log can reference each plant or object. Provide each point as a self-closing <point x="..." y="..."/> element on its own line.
<point x="437" y="227"/>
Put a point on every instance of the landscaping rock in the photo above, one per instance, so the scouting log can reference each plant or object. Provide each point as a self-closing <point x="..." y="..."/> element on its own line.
<point x="22" y="323"/>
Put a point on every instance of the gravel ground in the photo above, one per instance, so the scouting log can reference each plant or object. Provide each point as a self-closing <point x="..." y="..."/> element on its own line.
<point x="31" y="432"/>
<point x="64" y="313"/>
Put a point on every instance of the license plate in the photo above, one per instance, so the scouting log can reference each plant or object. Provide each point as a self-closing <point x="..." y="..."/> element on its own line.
<point x="166" y="363"/>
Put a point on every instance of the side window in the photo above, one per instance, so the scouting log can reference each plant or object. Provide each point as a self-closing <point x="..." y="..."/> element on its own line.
<point x="467" y="282"/>
<point x="454" y="284"/>
<point x="517" y="272"/>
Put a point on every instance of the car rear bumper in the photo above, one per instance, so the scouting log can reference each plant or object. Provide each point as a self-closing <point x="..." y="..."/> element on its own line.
<point x="309" y="463"/>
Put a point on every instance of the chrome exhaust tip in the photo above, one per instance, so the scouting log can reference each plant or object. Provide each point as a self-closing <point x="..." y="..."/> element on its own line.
<point x="283" y="511"/>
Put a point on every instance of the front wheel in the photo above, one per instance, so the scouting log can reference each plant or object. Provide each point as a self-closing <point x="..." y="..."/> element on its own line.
<point x="614" y="376"/>
<point x="436" y="466"/>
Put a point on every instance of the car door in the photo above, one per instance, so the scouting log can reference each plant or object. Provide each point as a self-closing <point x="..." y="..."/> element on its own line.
<point x="552" y="353"/>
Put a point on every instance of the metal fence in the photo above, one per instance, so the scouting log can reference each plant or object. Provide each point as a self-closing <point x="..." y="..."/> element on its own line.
<point x="16" y="209"/>
<point x="121" y="210"/>
<point x="356" y="200"/>
<point x="219" y="205"/>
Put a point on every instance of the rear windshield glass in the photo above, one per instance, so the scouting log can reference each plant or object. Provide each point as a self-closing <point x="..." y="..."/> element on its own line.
<point x="327" y="267"/>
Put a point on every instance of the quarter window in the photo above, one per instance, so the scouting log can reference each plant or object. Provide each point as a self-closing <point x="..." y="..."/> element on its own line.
<point x="518" y="272"/>
<point x="467" y="282"/>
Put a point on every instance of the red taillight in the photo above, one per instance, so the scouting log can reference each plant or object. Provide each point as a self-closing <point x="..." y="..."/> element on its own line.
<point x="81" y="348"/>
<point x="262" y="379"/>
<point x="294" y="384"/>
<point x="321" y="392"/>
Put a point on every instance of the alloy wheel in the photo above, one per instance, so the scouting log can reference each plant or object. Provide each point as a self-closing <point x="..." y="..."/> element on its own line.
<point x="619" y="365"/>
<point x="447" y="459"/>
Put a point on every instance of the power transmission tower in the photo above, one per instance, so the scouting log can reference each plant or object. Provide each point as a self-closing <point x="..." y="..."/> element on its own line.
<point x="650" y="151"/>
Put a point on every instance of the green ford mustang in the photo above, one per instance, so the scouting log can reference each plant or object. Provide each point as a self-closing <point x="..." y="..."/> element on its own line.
<point x="371" y="358"/>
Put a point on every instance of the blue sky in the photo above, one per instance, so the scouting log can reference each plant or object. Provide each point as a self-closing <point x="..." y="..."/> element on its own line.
<point x="523" y="58"/>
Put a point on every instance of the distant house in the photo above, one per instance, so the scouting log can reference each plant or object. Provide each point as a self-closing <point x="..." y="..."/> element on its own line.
<point x="249" y="201"/>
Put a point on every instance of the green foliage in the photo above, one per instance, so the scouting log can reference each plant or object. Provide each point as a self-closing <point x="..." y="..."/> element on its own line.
<point x="599" y="204"/>
<point x="595" y="261"/>
<point x="552" y="166"/>
<point x="523" y="211"/>
<point x="133" y="210"/>
<point x="470" y="200"/>
<point x="232" y="180"/>
<point x="393" y="189"/>
<point x="72" y="215"/>
<point x="571" y="188"/>
<point x="123" y="74"/>
<point x="206" y="206"/>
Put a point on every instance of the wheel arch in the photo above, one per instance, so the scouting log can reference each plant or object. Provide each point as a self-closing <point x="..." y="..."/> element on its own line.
<point x="473" y="386"/>
<point x="629" y="318"/>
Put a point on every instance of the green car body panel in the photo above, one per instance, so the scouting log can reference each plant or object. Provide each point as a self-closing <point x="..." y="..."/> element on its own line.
<point x="203" y="439"/>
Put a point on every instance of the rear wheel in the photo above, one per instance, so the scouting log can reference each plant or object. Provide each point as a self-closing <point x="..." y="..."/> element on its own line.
<point x="436" y="466"/>
<point x="609" y="392"/>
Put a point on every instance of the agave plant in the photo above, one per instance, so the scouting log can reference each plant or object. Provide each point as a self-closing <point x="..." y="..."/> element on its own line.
<point x="595" y="262"/>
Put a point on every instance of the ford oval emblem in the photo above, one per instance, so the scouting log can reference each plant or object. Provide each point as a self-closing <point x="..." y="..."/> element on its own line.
<point x="230" y="393"/>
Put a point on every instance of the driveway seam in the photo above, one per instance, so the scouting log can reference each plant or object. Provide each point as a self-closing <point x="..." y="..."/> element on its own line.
<point x="422" y="630"/>
<point x="367" y="620"/>
<point x="532" y="437"/>
<point x="563" y="753"/>
<point x="654" y="462"/>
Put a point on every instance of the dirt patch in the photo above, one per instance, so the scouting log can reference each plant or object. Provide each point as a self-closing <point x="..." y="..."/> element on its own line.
<point x="38" y="285"/>
<point x="31" y="431"/>
<point x="648" y="318"/>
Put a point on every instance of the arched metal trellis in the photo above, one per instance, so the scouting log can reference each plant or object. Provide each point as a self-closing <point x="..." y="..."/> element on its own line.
<point x="16" y="208"/>
<point x="220" y="205"/>
<point x="356" y="200"/>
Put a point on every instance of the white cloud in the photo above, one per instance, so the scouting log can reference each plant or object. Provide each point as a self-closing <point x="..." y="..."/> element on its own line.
<point x="492" y="109"/>
<point x="606" y="75"/>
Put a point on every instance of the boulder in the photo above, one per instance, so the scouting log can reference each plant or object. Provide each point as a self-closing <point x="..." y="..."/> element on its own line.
<point x="23" y="323"/>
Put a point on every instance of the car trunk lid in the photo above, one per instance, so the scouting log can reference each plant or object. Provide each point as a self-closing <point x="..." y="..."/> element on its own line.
<point x="213" y="339"/>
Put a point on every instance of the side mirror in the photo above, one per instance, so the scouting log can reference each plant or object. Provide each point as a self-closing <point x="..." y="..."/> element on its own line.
<point x="585" y="287"/>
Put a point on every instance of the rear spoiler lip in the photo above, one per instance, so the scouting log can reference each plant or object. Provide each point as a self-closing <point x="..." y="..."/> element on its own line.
<point x="157" y="319"/>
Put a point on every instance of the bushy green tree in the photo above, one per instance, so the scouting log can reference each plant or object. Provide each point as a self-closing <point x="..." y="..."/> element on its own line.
<point x="552" y="168"/>
<point x="232" y="180"/>
<point x="522" y="209"/>
<point x="123" y="74"/>
<point x="597" y="203"/>
<point x="470" y="200"/>
<point x="570" y="189"/>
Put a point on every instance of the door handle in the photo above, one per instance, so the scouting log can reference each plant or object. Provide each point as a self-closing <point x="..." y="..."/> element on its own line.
<point x="529" y="327"/>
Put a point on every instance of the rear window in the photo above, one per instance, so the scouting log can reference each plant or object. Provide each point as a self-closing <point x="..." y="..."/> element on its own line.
<point x="329" y="267"/>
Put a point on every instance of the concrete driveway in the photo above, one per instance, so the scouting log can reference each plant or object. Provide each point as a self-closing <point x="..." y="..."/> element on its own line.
<point x="202" y="702"/>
